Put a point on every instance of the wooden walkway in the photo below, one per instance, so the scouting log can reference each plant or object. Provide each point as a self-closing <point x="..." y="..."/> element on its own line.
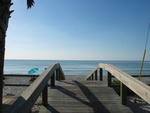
<point x="77" y="95"/>
<point x="83" y="97"/>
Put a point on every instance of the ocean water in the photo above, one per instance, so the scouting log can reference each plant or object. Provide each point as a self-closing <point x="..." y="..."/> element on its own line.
<point x="73" y="67"/>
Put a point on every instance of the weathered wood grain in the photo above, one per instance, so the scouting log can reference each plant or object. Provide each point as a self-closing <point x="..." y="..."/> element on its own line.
<point x="25" y="102"/>
<point x="83" y="97"/>
<point x="135" y="85"/>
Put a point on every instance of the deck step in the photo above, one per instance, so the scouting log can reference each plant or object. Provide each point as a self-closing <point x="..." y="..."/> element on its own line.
<point x="83" y="97"/>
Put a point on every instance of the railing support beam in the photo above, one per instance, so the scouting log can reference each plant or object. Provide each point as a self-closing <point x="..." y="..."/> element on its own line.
<point x="96" y="75"/>
<point x="123" y="94"/>
<point x="90" y="78"/>
<point x="109" y="79"/>
<point x="101" y="74"/>
<point x="57" y="74"/>
<point x="53" y="80"/>
<point x="45" y="95"/>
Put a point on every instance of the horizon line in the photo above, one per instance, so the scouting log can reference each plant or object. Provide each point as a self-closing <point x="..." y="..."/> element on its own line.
<point x="81" y="59"/>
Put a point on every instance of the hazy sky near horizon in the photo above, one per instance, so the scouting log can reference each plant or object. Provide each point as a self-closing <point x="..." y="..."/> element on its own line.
<point x="79" y="30"/>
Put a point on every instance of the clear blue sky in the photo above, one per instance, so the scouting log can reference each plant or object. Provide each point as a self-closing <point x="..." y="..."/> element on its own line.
<point x="79" y="30"/>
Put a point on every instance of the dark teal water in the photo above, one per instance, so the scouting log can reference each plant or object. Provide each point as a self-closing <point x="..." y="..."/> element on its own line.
<point x="73" y="67"/>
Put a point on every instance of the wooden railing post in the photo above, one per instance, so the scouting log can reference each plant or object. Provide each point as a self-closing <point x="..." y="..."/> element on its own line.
<point x="96" y="75"/>
<point x="101" y="74"/>
<point x="92" y="76"/>
<point x="123" y="94"/>
<point x="45" y="95"/>
<point x="57" y="74"/>
<point x="109" y="79"/>
<point x="53" y="80"/>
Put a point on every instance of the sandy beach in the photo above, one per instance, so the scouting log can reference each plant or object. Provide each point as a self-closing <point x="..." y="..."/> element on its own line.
<point x="139" y="107"/>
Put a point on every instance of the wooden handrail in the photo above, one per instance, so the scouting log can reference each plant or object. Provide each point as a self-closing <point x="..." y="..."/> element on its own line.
<point x="135" y="85"/>
<point x="28" y="98"/>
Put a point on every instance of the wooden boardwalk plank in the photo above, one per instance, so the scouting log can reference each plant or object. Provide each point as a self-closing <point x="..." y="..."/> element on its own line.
<point x="83" y="97"/>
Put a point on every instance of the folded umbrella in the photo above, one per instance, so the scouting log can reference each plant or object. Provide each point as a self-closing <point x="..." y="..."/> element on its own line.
<point x="32" y="71"/>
